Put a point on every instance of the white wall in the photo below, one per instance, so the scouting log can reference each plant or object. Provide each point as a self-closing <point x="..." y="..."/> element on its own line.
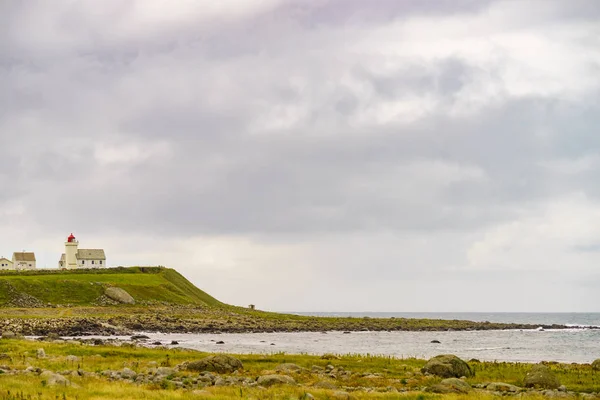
<point x="91" y="263"/>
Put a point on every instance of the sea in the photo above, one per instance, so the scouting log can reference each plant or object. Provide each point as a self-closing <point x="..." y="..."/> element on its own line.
<point x="579" y="344"/>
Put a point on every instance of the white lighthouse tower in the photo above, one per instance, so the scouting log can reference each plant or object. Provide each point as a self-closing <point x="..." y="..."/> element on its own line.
<point x="71" y="252"/>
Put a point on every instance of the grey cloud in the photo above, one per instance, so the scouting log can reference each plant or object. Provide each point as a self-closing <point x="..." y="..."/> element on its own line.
<point x="272" y="126"/>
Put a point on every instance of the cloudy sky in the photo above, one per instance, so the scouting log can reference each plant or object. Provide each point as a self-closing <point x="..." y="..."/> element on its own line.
<point x="320" y="155"/>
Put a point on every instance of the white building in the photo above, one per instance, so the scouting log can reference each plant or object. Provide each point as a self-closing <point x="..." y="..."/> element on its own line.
<point x="73" y="257"/>
<point x="5" y="263"/>
<point x="23" y="260"/>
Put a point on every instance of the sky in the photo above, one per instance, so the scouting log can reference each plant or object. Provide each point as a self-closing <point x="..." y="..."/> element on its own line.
<point x="321" y="155"/>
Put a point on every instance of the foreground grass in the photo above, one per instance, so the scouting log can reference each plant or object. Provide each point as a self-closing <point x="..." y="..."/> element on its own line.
<point x="364" y="377"/>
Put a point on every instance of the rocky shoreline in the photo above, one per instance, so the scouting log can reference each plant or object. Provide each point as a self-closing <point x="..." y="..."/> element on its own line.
<point x="128" y="325"/>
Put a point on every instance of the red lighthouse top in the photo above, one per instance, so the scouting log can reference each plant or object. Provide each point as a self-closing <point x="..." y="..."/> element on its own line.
<point x="71" y="238"/>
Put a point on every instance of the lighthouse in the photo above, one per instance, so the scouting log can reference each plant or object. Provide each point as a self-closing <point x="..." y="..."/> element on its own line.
<point x="71" y="252"/>
<point x="74" y="257"/>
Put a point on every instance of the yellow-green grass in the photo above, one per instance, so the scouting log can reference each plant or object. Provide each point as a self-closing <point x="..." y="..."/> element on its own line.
<point x="401" y="374"/>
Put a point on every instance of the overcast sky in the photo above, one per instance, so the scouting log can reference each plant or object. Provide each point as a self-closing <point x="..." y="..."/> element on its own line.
<point x="320" y="155"/>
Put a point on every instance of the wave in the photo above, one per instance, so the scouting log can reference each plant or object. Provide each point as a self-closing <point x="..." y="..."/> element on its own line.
<point x="488" y="348"/>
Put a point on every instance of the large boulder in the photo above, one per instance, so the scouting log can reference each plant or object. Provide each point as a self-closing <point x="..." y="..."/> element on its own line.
<point x="596" y="365"/>
<point x="270" y="380"/>
<point x="447" y="366"/>
<point x="119" y="295"/>
<point x="541" y="377"/>
<point x="221" y="363"/>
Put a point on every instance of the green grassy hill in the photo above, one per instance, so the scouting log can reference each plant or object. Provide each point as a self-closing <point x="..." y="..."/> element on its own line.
<point x="147" y="285"/>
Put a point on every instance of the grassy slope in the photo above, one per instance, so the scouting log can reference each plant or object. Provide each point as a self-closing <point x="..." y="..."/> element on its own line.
<point x="84" y="287"/>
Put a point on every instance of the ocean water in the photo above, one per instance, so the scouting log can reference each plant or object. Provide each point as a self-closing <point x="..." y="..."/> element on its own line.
<point x="570" y="319"/>
<point x="580" y="345"/>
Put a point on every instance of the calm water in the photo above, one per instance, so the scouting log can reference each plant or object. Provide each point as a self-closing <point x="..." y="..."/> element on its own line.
<point x="572" y="345"/>
<point x="579" y="319"/>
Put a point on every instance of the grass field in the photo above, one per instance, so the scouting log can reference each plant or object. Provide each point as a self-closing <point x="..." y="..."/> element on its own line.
<point x="363" y="377"/>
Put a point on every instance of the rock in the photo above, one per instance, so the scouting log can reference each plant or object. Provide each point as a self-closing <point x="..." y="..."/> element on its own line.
<point x="220" y="363"/>
<point x="4" y="356"/>
<point x="119" y="295"/>
<point x="502" y="387"/>
<point x="127" y="373"/>
<point x="541" y="377"/>
<point x="139" y="337"/>
<point x="157" y="343"/>
<point x="325" y="385"/>
<point x="447" y="366"/>
<point x="595" y="363"/>
<point x="174" y="342"/>
<point x="53" y="379"/>
<point x="270" y="380"/>
<point x="554" y="394"/>
<point x="221" y="382"/>
<point x="8" y="335"/>
<point x="451" y="385"/>
<point x="41" y="353"/>
<point x="220" y="342"/>
<point x="72" y="358"/>
<point x="165" y="371"/>
<point x="288" y="367"/>
<point x="435" y="341"/>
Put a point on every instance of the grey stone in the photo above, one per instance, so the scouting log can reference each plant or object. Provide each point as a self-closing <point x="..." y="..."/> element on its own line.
<point x="53" y="379"/>
<point x="450" y="385"/>
<point x="447" y="366"/>
<point x="220" y="363"/>
<point x="41" y="353"/>
<point x="8" y="335"/>
<point x="502" y="387"/>
<point x="288" y="367"/>
<point x="270" y="380"/>
<point x="541" y="377"/>
<point x="127" y="373"/>
<point x="118" y="294"/>
<point x="165" y="371"/>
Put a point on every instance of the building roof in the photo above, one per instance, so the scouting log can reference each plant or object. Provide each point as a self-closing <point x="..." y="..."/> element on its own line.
<point x="91" y="254"/>
<point x="5" y="259"/>
<point x="23" y="256"/>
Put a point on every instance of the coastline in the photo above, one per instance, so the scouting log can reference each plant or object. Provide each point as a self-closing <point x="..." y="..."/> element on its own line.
<point x="82" y="321"/>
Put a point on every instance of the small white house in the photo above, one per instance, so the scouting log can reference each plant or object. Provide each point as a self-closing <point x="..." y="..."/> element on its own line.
<point x="73" y="257"/>
<point x="23" y="260"/>
<point x="5" y="263"/>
